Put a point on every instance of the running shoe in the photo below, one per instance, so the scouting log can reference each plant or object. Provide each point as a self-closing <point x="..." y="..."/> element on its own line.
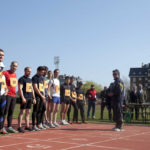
<point x="11" y="130"/>
<point x="20" y="130"/>
<point x="51" y="125"/>
<point x="35" y="128"/>
<point x="3" y="131"/>
<point x="56" y="124"/>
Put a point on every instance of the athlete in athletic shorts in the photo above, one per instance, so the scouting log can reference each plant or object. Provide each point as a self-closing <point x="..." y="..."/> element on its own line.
<point x="48" y="105"/>
<point x="73" y="103"/>
<point x="65" y="91"/>
<point x="55" y="92"/>
<point x="3" y="93"/>
<point x="40" y="107"/>
<point x="27" y="97"/>
<point x="46" y="82"/>
<point x="81" y="101"/>
<point x="11" y="81"/>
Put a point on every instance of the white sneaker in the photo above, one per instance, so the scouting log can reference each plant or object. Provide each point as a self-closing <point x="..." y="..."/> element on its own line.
<point x="45" y="126"/>
<point x="35" y="128"/>
<point x="66" y="122"/>
<point x="63" y="122"/>
<point x="56" y="124"/>
<point x="51" y="125"/>
<point x="11" y="130"/>
<point x="41" y="127"/>
<point x="117" y="130"/>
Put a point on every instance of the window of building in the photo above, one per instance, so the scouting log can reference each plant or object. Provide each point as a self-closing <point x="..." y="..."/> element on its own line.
<point x="140" y="79"/>
<point x="146" y="79"/>
<point x="134" y="79"/>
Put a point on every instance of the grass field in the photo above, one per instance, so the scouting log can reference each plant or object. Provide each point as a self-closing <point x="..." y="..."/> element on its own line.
<point x="97" y="115"/>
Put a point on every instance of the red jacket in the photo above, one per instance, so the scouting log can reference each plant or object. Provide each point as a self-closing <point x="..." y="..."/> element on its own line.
<point x="91" y="94"/>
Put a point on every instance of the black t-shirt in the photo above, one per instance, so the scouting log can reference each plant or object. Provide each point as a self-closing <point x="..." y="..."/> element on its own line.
<point x="27" y="86"/>
<point x="80" y="94"/>
<point x="65" y="91"/>
<point x="73" y="91"/>
<point x="39" y="80"/>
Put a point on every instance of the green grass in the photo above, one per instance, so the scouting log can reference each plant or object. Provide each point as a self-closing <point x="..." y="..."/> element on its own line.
<point x="97" y="115"/>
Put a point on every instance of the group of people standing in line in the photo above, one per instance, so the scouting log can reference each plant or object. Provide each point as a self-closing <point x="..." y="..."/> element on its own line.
<point x="46" y="94"/>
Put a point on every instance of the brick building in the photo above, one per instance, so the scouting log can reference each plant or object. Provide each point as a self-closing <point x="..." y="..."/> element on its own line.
<point x="141" y="76"/>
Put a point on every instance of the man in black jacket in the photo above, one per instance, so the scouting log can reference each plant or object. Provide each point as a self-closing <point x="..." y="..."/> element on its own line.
<point x="117" y="95"/>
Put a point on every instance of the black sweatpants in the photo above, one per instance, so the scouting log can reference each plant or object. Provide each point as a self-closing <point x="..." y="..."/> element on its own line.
<point x="103" y="105"/>
<point x="75" y="113"/>
<point x="118" y="115"/>
<point x="2" y="109"/>
<point x="80" y="105"/>
<point x="38" y="112"/>
<point x="9" y="109"/>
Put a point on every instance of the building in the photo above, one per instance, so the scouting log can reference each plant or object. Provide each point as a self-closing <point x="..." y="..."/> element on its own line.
<point x="141" y="76"/>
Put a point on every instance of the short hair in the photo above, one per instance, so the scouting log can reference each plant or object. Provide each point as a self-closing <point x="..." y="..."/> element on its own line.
<point x="40" y="68"/>
<point x="116" y="71"/>
<point x="56" y="70"/>
<point x="49" y="71"/>
<point x="26" y="68"/>
<point x="67" y="77"/>
<point x="14" y="62"/>
<point x="72" y="77"/>
<point x="45" y="67"/>
<point x="1" y="50"/>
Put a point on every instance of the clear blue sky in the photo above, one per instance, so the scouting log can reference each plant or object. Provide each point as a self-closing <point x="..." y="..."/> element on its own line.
<point x="92" y="37"/>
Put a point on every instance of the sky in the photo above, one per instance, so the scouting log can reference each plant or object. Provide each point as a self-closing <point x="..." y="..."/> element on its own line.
<point x="91" y="37"/>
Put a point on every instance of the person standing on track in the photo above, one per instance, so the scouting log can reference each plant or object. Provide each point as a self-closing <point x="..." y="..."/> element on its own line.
<point x="46" y="82"/>
<point x="27" y="97"/>
<point x="73" y="103"/>
<point x="48" y="106"/>
<point x="11" y="81"/>
<point x="65" y="92"/>
<point x="81" y="101"/>
<point x="55" y="93"/>
<point x="3" y="93"/>
<point x="117" y="95"/>
<point x="38" y="108"/>
<point x="91" y="95"/>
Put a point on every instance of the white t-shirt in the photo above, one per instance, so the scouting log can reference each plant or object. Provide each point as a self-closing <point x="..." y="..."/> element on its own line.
<point x="55" y="87"/>
<point x="3" y="85"/>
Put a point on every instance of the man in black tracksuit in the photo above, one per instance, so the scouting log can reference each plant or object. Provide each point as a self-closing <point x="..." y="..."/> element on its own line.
<point x="117" y="95"/>
<point x="106" y="102"/>
<point x="81" y="101"/>
<point x="73" y="102"/>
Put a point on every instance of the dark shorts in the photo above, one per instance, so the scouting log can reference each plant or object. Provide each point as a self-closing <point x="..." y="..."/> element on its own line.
<point x="27" y="105"/>
<point x="65" y="101"/>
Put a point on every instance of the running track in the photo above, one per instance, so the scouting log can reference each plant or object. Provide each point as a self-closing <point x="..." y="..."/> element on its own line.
<point x="80" y="137"/>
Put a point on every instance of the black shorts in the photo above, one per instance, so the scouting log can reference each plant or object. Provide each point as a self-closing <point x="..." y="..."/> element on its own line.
<point x="65" y="101"/>
<point x="27" y="105"/>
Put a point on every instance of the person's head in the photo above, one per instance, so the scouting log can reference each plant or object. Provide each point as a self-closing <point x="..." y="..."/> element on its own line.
<point x="1" y="55"/>
<point x="14" y="66"/>
<point x="105" y="87"/>
<point x="27" y="71"/>
<point x="56" y="73"/>
<point x="92" y="87"/>
<point x="40" y="71"/>
<point x="80" y="84"/>
<point x="116" y="73"/>
<point x="67" y="80"/>
<point x="45" y="70"/>
<point x="140" y="86"/>
<point x="72" y="79"/>
<point x="50" y="74"/>
<point x="134" y="88"/>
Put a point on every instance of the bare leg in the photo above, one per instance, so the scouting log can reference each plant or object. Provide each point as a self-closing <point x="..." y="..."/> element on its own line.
<point x="20" y="117"/>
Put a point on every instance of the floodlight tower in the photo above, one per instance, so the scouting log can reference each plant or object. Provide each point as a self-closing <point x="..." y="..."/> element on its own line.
<point x="56" y="62"/>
